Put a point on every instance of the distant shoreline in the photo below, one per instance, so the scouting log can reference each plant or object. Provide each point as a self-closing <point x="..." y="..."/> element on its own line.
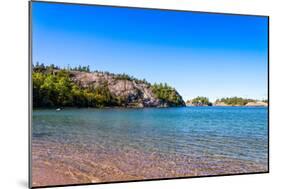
<point x="229" y="101"/>
<point x="139" y="108"/>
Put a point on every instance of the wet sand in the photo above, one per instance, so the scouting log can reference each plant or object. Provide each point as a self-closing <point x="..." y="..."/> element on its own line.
<point x="56" y="163"/>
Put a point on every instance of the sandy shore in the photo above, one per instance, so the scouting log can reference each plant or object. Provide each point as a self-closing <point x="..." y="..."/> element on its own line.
<point x="59" y="164"/>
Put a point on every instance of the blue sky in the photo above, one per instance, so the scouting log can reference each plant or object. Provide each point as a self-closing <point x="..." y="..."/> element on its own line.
<point x="199" y="54"/>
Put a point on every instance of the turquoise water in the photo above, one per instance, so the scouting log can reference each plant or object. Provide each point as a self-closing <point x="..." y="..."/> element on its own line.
<point x="213" y="140"/>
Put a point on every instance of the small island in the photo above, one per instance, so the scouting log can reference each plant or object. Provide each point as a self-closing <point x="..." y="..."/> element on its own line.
<point x="238" y="101"/>
<point x="229" y="101"/>
<point x="199" y="101"/>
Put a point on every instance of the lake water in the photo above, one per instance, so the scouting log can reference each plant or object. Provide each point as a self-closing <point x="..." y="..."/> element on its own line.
<point x="100" y="145"/>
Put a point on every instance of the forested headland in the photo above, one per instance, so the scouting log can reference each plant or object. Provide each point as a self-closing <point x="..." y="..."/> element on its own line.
<point x="81" y="87"/>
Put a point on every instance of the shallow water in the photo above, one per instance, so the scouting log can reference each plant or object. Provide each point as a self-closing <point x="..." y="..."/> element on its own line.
<point x="99" y="145"/>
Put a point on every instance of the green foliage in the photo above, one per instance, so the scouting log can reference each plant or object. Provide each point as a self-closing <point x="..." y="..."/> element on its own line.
<point x="167" y="94"/>
<point x="235" y="101"/>
<point x="51" y="89"/>
<point x="42" y="68"/>
<point x="56" y="89"/>
<point x="200" y="100"/>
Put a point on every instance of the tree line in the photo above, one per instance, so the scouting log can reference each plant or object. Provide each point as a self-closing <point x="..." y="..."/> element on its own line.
<point x="41" y="67"/>
<point x="235" y="101"/>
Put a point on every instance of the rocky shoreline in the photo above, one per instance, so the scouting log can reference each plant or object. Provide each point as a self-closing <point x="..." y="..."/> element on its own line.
<point x="249" y="104"/>
<point x="222" y="104"/>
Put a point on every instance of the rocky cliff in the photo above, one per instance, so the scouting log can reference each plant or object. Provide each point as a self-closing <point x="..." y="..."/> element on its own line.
<point x="129" y="91"/>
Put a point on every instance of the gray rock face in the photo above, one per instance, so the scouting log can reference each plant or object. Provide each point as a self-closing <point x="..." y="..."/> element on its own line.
<point x="135" y="94"/>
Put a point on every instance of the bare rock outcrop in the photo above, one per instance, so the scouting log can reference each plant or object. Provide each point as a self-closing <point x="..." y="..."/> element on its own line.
<point x="134" y="93"/>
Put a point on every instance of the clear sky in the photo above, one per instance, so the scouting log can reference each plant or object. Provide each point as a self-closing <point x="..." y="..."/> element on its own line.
<point x="213" y="55"/>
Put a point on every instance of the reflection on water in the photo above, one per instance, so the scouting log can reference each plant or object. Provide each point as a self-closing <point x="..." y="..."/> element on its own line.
<point x="100" y="145"/>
